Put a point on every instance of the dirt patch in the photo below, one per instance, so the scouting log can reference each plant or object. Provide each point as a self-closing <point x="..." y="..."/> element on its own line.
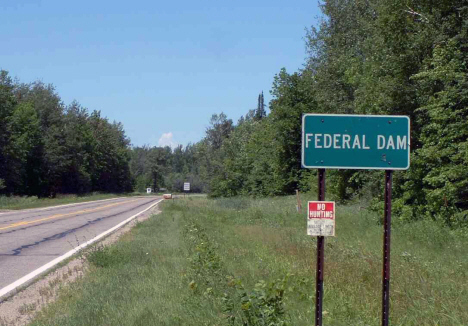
<point x="21" y="308"/>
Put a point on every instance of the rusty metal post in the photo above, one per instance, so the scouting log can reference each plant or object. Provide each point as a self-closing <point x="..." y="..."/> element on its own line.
<point x="386" y="248"/>
<point x="320" y="256"/>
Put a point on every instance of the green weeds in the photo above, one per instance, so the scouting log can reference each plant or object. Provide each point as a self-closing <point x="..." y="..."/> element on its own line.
<point x="242" y="261"/>
<point x="261" y="306"/>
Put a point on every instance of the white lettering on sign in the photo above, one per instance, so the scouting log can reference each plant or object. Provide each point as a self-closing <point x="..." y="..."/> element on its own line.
<point x="380" y="142"/>
<point x="364" y="146"/>
<point x="308" y="139"/>
<point x="317" y="139"/>
<point x="327" y="141"/>
<point x="402" y="142"/>
<point x="389" y="143"/>
<point x="345" y="141"/>
<point x="320" y="214"/>
<point x="336" y="141"/>
<point x="356" y="143"/>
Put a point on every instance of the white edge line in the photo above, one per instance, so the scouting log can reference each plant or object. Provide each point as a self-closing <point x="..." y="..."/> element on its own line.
<point x="7" y="289"/>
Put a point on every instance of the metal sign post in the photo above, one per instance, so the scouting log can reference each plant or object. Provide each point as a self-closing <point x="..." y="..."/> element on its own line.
<point x="386" y="248"/>
<point x="320" y="256"/>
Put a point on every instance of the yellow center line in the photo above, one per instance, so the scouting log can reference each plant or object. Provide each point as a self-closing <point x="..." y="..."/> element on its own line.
<point x="63" y="215"/>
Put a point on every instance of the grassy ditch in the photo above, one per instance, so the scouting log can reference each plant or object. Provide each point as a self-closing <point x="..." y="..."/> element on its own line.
<point x="248" y="262"/>
<point x="24" y="202"/>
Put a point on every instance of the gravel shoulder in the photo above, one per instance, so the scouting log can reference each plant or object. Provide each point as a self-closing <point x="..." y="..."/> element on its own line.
<point x="21" y="308"/>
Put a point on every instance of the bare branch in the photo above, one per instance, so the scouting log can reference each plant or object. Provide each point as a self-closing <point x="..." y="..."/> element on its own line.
<point x="411" y="11"/>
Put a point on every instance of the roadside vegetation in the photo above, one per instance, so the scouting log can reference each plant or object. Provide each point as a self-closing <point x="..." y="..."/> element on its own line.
<point x="240" y="261"/>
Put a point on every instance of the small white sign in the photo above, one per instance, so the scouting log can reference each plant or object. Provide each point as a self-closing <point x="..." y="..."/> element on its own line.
<point x="148" y="190"/>
<point x="186" y="186"/>
<point x="321" y="218"/>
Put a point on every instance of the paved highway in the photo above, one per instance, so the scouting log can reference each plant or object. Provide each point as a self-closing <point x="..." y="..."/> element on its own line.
<point x="32" y="238"/>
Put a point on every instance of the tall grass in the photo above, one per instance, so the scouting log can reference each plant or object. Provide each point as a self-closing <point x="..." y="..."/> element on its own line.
<point x="241" y="261"/>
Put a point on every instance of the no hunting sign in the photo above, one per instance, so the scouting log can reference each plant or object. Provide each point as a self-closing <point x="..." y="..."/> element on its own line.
<point x="321" y="218"/>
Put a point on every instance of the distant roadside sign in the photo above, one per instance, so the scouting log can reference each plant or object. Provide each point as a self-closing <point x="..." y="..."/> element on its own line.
<point x="148" y="190"/>
<point x="186" y="186"/>
<point x="341" y="141"/>
<point x="321" y="218"/>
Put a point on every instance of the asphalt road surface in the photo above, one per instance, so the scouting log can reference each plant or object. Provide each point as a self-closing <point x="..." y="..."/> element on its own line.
<point x="31" y="238"/>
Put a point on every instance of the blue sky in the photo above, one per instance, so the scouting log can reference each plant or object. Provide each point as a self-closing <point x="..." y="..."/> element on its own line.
<point x="162" y="68"/>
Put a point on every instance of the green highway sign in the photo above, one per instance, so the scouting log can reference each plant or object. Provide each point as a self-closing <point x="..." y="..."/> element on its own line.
<point x="341" y="141"/>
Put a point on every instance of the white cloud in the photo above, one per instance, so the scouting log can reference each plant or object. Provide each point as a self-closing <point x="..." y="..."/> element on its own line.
<point x="167" y="140"/>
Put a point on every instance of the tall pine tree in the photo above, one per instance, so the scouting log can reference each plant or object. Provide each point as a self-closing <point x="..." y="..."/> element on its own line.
<point x="260" y="112"/>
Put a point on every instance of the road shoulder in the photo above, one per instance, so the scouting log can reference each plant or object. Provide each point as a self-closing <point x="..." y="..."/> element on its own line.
<point x="21" y="308"/>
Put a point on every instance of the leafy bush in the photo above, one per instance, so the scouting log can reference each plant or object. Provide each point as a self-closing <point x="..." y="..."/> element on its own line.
<point x="262" y="306"/>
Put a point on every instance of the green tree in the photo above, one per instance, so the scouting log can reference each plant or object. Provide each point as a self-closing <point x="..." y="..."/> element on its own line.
<point x="49" y="156"/>
<point x="7" y="103"/>
<point x="24" y="138"/>
<point x="443" y="156"/>
<point x="109" y="165"/>
<point x="78" y="150"/>
<point x="260" y="112"/>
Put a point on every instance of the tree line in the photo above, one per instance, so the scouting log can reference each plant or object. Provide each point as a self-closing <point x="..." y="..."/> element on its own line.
<point x="392" y="57"/>
<point x="48" y="148"/>
<point x="166" y="168"/>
